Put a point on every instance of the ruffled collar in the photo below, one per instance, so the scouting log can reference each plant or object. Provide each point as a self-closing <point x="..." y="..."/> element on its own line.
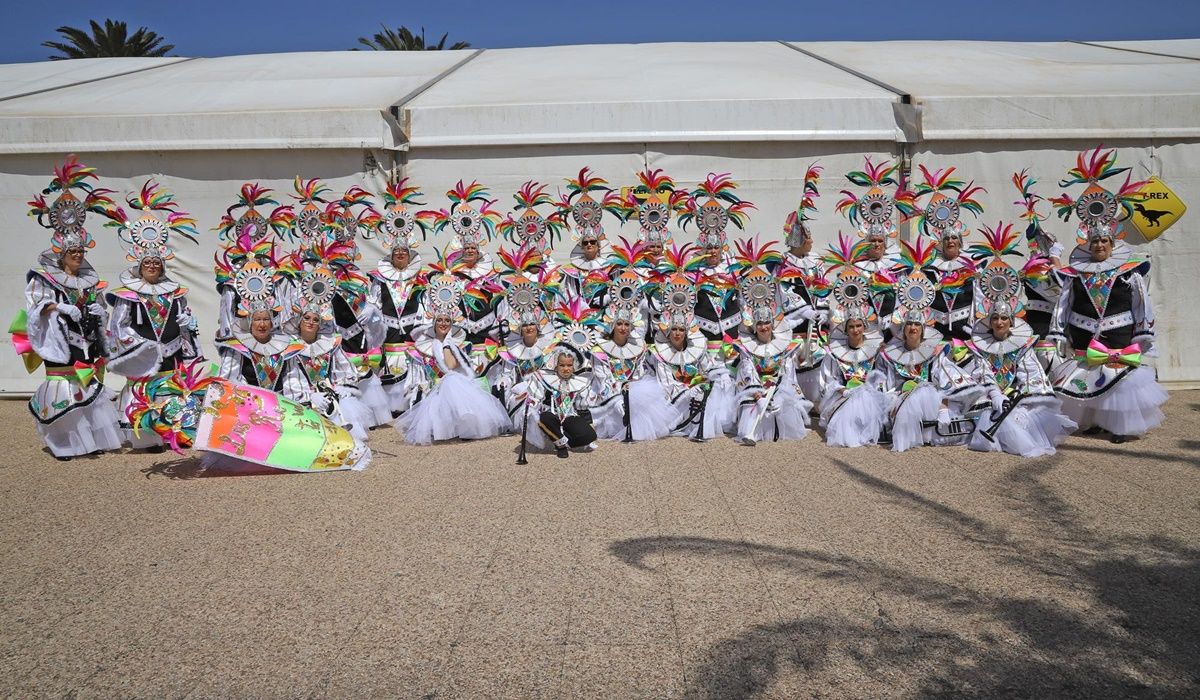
<point x="323" y="345"/>
<point x="387" y="271"/>
<point x="952" y="265"/>
<point x="693" y="349"/>
<point x="632" y="349"/>
<point x="926" y="351"/>
<point x="576" y="383"/>
<point x="482" y="268"/>
<point x="983" y="340"/>
<point x="889" y="260"/>
<point x="518" y="350"/>
<point x="779" y="343"/>
<point x="596" y="263"/>
<point x="131" y="280"/>
<point x="839" y="348"/>
<point x="275" y="346"/>
<point x="84" y="280"/>
<point x="423" y="338"/>
<point x="1081" y="259"/>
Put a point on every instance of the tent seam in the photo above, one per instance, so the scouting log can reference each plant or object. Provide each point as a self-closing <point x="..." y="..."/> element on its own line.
<point x="98" y="79"/>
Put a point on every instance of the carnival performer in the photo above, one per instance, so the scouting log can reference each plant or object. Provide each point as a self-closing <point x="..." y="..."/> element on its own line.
<point x="393" y="289"/>
<point x="522" y="314"/>
<point x="698" y="387"/>
<point x="589" y="258"/>
<point x="259" y="353"/>
<point x="1042" y="289"/>
<point x="1104" y="316"/>
<point x="931" y="396"/>
<point x="560" y="397"/>
<point x="804" y="290"/>
<point x="652" y="202"/>
<point x="873" y="215"/>
<point x="358" y="321"/>
<point x="63" y="320"/>
<point x="473" y="222"/>
<point x="151" y="329"/>
<point x="631" y="406"/>
<point x="250" y="235"/>
<point x="331" y="378"/>
<point x="718" y="311"/>
<point x="770" y="407"/>
<point x="1026" y="417"/>
<point x="953" y="307"/>
<point x="448" y="400"/>
<point x="526" y="227"/>
<point x="853" y="406"/>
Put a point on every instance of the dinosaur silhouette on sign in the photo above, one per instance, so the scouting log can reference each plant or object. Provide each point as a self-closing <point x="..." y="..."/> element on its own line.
<point x="1152" y="215"/>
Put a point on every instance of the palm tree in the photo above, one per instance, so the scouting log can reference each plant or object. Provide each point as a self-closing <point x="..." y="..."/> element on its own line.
<point x="404" y="40"/>
<point x="112" y="39"/>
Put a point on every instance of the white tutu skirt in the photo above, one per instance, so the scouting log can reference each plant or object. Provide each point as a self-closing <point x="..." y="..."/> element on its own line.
<point x="921" y="404"/>
<point x="1033" y="429"/>
<point x="856" y="419"/>
<point x="353" y="415"/>
<point x="809" y="381"/>
<point x="457" y="407"/>
<point x="399" y="398"/>
<point x="786" y="418"/>
<point x="81" y="429"/>
<point x="144" y="439"/>
<point x="651" y="415"/>
<point x="376" y="400"/>
<point x="1129" y="407"/>
<point x="716" y="417"/>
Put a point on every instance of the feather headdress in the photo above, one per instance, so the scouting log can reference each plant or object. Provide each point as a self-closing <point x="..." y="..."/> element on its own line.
<point x="66" y="215"/>
<point x="148" y="236"/>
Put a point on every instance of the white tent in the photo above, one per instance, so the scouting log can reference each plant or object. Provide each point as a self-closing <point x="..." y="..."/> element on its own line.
<point x="762" y="111"/>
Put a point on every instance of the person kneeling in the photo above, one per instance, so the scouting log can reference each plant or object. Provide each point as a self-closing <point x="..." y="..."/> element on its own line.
<point x="563" y="399"/>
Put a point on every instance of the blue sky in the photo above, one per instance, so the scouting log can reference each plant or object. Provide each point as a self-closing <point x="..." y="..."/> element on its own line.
<point x="222" y="27"/>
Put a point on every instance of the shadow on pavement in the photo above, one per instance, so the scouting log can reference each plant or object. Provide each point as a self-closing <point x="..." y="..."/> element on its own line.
<point x="1138" y="635"/>
<point x="192" y="468"/>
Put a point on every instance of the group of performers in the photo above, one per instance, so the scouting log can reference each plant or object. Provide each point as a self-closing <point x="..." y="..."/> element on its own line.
<point x="880" y="340"/>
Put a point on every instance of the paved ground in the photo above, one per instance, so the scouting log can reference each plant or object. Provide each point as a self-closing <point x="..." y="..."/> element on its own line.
<point x="665" y="570"/>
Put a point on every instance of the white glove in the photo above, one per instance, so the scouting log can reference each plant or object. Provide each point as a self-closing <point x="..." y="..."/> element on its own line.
<point x="185" y="319"/>
<point x="1062" y="348"/>
<point x="70" y="311"/>
<point x="319" y="401"/>
<point x="1056" y="250"/>
<point x="997" y="401"/>
<point x="96" y="309"/>
<point x="346" y="392"/>
<point x="943" y="418"/>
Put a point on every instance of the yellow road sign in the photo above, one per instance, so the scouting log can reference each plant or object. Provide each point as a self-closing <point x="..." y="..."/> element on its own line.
<point x="1158" y="210"/>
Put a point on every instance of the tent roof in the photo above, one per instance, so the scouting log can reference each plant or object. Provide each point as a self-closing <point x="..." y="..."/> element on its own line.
<point x="1009" y="90"/>
<point x="22" y="78"/>
<point x="294" y="100"/>
<point x="627" y="93"/>
<point x="621" y="93"/>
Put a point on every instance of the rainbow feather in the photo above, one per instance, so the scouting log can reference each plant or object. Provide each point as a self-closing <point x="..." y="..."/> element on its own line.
<point x="1092" y="166"/>
<point x="402" y="193"/>
<point x="918" y="254"/>
<point x="873" y="175"/>
<point x="1029" y="200"/>
<point x="474" y="192"/>
<point x="309" y="190"/>
<point x="628" y="255"/>
<point x="750" y="253"/>
<point x="997" y="242"/>
<point x="524" y="260"/>
<point x="845" y="252"/>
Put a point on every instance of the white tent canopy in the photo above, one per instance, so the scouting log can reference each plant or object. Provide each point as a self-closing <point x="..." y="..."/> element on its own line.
<point x="760" y="110"/>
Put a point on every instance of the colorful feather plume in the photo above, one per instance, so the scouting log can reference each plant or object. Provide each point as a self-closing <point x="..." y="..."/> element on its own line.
<point x="402" y="193"/>
<point x="845" y="252"/>
<point x="1029" y="200"/>
<point x="309" y="190"/>
<point x="918" y="254"/>
<point x="997" y="242"/>
<point x="684" y="259"/>
<point x="72" y="174"/>
<point x="628" y="255"/>
<point x="169" y="405"/>
<point x="874" y="175"/>
<point x="749" y="253"/>
<point x="525" y="260"/>
<point x="1092" y="166"/>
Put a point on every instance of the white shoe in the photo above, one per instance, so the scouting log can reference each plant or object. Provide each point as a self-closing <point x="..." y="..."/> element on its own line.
<point x="590" y="447"/>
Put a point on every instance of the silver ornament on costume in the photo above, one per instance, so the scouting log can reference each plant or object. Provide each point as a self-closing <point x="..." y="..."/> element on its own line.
<point x="531" y="227"/>
<point x="850" y="290"/>
<point x="67" y="214"/>
<point x="915" y="292"/>
<point x="398" y="222"/>
<point x="587" y="214"/>
<point x="876" y="208"/>
<point x="253" y="224"/>
<point x="464" y="220"/>
<point x="942" y="214"/>
<point x="1096" y="207"/>
<point x="999" y="282"/>
<point x="653" y="216"/>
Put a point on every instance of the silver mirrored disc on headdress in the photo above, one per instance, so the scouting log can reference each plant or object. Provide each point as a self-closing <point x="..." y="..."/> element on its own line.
<point x="309" y="223"/>
<point x="876" y="208"/>
<point x="586" y="213"/>
<point x="712" y="219"/>
<point x="67" y="214"/>
<point x="148" y="231"/>
<point x="942" y="214"/>
<point x="253" y="282"/>
<point x="579" y="336"/>
<point x="850" y="290"/>
<point x="252" y="224"/>
<point x="915" y="291"/>
<point x="998" y="282"/>
<point x="464" y="220"/>
<point x="653" y="216"/>
<point x="625" y="290"/>
<point x="398" y="221"/>
<point x="531" y="227"/>
<point x="521" y="296"/>
<point x="318" y="286"/>
<point x="1096" y="207"/>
